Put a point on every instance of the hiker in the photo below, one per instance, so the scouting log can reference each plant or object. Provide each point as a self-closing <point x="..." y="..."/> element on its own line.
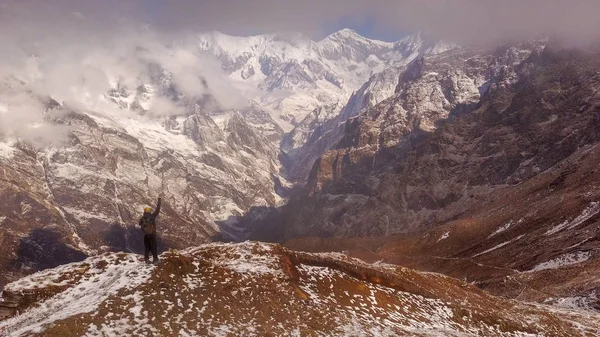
<point x="148" y="224"/>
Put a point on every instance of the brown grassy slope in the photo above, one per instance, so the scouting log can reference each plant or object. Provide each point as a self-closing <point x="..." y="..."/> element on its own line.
<point x="534" y="208"/>
<point x="266" y="290"/>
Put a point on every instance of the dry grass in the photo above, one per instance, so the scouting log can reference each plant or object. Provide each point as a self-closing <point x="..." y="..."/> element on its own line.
<point x="296" y="298"/>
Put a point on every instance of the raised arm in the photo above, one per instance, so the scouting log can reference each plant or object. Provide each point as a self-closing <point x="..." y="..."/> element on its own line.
<point x="157" y="207"/>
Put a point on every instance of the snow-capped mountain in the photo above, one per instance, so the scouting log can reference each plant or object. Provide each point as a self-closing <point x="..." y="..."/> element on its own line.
<point x="476" y="155"/>
<point x="291" y="75"/>
<point x="404" y="135"/>
<point x="255" y="289"/>
<point x="76" y="184"/>
<point x="367" y="139"/>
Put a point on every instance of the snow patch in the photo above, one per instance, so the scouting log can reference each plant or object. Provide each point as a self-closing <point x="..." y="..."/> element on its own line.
<point x="561" y="261"/>
<point x="575" y="302"/>
<point x="505" y="227"/>
<point x="6" y="151"/>
<point x="444" y="237"/>
<point x="249" y="261"/>
<point x="499" y="246"/>
<point x="586" y="214"/>
<point x="154" y="136"/>
<point x="84" y="217"/>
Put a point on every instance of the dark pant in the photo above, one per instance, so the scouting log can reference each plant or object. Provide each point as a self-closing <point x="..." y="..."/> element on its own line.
<point x="150" y="246"/>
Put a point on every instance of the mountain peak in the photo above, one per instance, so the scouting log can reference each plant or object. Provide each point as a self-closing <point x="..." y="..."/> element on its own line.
<point x="347" y="32"/>
<point x="344" y="34"/>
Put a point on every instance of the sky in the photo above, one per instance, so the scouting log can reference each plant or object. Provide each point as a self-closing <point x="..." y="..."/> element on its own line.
<point x="459" y="20"/>
<point x="388" y="20"/>
<point x="365" y="26"/>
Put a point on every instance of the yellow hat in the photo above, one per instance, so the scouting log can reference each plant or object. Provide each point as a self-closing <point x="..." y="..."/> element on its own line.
<point x="147" y="210"/>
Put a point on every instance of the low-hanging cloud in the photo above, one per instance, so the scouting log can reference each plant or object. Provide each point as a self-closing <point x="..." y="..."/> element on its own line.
<point x="493" y="21"/>
<point x="23" y="115"/>
<point x="76" y="50"/>
<point x="76" y="60"/>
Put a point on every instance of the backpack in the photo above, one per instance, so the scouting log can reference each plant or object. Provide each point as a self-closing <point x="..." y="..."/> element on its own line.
<point x="148" y="225"/>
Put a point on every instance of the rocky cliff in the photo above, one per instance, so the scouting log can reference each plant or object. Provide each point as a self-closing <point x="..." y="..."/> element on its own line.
<point x="451" y="135"/>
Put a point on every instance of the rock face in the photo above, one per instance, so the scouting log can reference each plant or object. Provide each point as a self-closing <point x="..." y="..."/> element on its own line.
<point x="255" y="289"/>
<point x="435" y="149"/>
<point x="418" y="95"/>
<point x="323" y="128"/>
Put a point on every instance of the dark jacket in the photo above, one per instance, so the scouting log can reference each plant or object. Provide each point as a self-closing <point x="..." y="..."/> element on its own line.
<point x="148" y="220"/>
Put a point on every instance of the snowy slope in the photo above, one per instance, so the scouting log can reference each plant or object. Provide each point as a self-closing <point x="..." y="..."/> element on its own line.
<point x="255" y="289"/>
<point x="89" y="284"/>
<point x="143" y="157"/>
<point x="294" y="75"/>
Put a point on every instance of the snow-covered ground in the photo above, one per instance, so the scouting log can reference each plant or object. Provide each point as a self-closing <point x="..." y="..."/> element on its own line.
<point x="87" y="284"/>
<point x="505" y="227"/>
<point x="444" y="236"/>
<point x="576" y="302"/>
<point x="255" y="289"/>
<point x="500" y="245"/>
<point x="563" y="260"/>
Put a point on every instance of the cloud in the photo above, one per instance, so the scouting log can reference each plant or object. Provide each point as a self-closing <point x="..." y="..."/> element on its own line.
<point x="76" y="50"/>
<point x="460" y="20"/>
<point x="23" y="115"/>
<point x="76" y="60"/>
<point x="466" y="20"/>
<point x="197" y="74"/>
<point x="477" y="21"/>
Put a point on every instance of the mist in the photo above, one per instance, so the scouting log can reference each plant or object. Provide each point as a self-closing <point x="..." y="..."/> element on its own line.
<point x="76" y="60"/>
<point x="460" y="20"/>
<point x="76" y="50"/>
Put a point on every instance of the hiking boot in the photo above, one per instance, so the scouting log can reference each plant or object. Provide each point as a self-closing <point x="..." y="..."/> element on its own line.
<point x="147" y="260"/>
<point x="155" y="261"/>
